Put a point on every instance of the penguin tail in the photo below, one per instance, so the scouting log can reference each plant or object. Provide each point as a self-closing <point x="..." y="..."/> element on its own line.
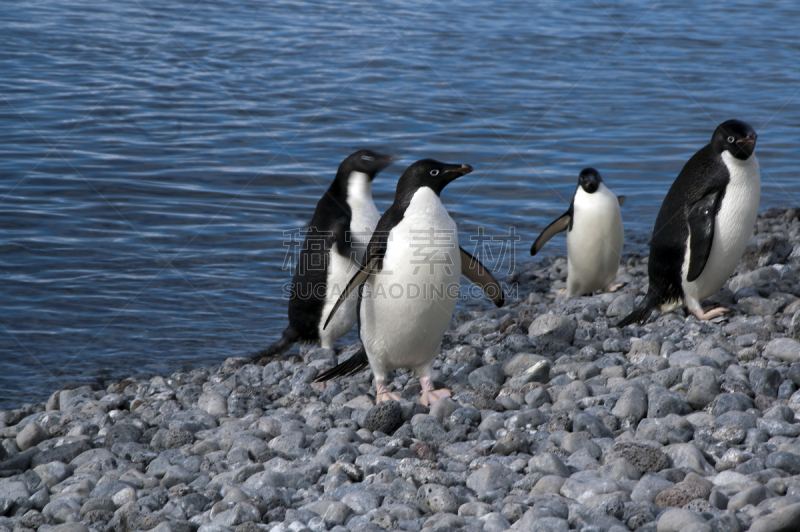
<point x="351" y="366"/>
<point x="288" y="339"/>
<point x="640" y="313"/>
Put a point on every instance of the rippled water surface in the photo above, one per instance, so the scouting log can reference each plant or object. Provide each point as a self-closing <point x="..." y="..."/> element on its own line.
<point x="156" y="156"/>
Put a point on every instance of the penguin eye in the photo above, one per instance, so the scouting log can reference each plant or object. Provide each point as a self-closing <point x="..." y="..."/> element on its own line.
<point x="367" y="158"/>
<point x="434" y="172"/>
<point x="731" y="139"/>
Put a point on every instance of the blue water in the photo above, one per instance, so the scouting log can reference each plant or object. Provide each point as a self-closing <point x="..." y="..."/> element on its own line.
<point x="153" y="154"/>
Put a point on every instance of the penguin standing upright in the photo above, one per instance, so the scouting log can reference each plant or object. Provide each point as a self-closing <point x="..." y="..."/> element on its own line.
<point x="704" y="224"/>
<point x="594" y="235"/>
<point x="409" y="284"/>
<point x="333" y="251"/>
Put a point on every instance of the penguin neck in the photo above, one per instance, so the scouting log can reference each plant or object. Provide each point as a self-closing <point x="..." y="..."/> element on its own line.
<point x="359" y="190"/>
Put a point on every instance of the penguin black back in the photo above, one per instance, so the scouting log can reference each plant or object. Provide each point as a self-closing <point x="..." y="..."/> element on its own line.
<point x="329" y="229"/>
<point x="701" y="184"/>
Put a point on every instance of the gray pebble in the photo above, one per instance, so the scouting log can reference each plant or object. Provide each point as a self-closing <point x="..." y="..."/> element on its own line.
<point x="435" y="498"/>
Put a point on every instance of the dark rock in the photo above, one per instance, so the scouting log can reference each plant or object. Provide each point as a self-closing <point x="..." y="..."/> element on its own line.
<point x="703" y="387"/>
<point x="63" y="453"/>
<point x="559" y="421"/>
<point x="765" y="381"/>
<point x="647" y="458"/>
<point x="122" y="433"/>
<point x="730" y="401"/>
<point x="492" y="374"/>
<point x="171" y="439"/>
<point x="514" y="441"/>
<point x="427" y="428"/>
<point x="785" y="461"/>
<point x="794" y="372"/>
<point x="764" y="250"/>
<point x="632" y="404"/>
<point x="22" y="461"/>
<point x="385" y="417"/>
<point x="590" y="424"/>
<point x="783" y="520"/>
<point x="661" y="402"/>
<point x="680" y="495"/>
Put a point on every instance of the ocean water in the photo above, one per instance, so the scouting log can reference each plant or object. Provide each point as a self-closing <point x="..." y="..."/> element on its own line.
<point x="158" y="161"/>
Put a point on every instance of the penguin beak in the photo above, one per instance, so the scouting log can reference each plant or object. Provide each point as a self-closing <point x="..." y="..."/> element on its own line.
<point x="455" y="173"/>
<point x="748" y="141"/>
<point x="386" y="160"/>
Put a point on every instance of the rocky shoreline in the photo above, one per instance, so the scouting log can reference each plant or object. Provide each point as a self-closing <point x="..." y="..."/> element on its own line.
<point x="559" y="421"/>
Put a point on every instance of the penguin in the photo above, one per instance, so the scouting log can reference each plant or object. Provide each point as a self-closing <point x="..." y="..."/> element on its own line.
<point x="409" y="284"/>
<point x="594" y="235"/>
<point x="703" y="225"/>
<point x="333" y="251"/>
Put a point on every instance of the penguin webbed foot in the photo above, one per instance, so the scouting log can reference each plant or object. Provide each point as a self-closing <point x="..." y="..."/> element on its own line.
<point x="711" y="314"/>
<point x="387" y="396"/>
<point x="429" y="395"/>
<point x="614" y="287"/>
<point x="383" y="394"/>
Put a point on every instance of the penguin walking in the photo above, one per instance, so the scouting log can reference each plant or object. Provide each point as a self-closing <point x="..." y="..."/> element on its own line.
<point x="409" y="284"/>
<point x="704" y="224"/>
<point x="333" y="251"/>
<point x="594" y="235"/>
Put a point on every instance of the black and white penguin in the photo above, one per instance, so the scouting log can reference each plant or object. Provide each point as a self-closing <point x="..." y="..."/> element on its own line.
<point x="704" y="224"/>
<point x="332" y="253"/>
<point x="594" y="235"/>
<point x="409" y="284"/>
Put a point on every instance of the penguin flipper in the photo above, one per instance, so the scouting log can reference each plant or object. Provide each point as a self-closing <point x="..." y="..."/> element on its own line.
<point x="701" y="233"/>
<point x="560" y="224"/>
<point x="621" y="200"/>
<point x="351" y="366"/>
<point x="472" y="269"/>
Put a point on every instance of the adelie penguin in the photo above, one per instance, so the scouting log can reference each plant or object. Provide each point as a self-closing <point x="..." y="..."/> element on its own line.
<point x="594" y="235"/>
<point x="409" y="284"/>
<point x="704" y="225"/>
<point x="333" y="251"/>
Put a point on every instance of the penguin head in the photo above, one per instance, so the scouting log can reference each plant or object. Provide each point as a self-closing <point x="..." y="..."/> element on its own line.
<point x="589" y="180"/>
<point x="432" y="174"/>
<point x="366" y="162"/>
<point x="736" y="137"/>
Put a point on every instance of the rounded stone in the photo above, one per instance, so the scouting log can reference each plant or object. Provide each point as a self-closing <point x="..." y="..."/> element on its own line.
<point x="427" y="428"/>
<point x="436" y="498"/>
<point x="490" y="477"/>
<point x="122" y="433"/>
<point x="30" y="436"/>
<point x="680" y="495"/>
<point x="676" y="520"/>
<point x="384" y="417"/>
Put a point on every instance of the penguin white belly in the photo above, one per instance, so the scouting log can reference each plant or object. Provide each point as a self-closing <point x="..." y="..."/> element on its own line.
<point x="594" y="244"/>
<point x="364" y="214"/>
<point x="733" y="226"/>
<point x="364" y="218"/>
<point x="340" y="270"/>
<point x="407" y="307"/>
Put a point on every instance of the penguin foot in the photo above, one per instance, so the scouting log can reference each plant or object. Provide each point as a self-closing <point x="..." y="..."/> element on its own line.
<point x="711" y="314"/>
<point x="614" y="287"/>
<point x="428" y="398"/>
<point x="383" y="394"/>
<point x="429" y="395"/>
<point x="387" y="396"/>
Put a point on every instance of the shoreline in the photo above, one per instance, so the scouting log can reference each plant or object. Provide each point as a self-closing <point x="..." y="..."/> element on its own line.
<point x="557" y="418"/>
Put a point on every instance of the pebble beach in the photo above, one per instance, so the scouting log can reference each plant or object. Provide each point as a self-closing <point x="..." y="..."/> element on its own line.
<point x="558" y="421"/>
